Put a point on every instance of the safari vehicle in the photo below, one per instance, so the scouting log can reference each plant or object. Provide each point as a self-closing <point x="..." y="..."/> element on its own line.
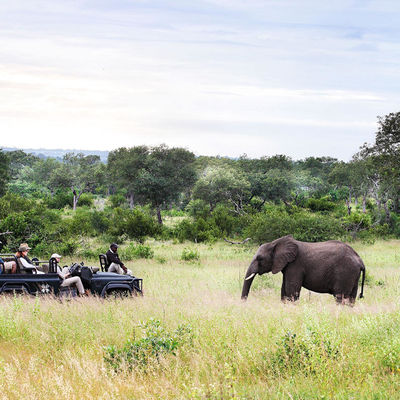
<point x="98" y="282"/>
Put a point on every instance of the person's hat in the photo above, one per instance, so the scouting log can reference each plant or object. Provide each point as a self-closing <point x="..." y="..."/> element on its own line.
<point x="55" y="255"/>
<point x="24" y="247"/>
<point x="113" y="245"/>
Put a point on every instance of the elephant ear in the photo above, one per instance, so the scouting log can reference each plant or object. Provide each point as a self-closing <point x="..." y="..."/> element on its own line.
<point x="285" y="251"/>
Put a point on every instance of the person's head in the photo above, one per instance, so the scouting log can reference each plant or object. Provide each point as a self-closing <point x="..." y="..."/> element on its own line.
<point x="114" y="247"/>
<point x="24" y="249"/>
<point x="56" y="256"/>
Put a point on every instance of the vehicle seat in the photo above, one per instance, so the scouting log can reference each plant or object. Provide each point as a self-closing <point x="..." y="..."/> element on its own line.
<point x="103" y="262"/>
<point x="52" y="265"/>
<point x="21" y="269"/>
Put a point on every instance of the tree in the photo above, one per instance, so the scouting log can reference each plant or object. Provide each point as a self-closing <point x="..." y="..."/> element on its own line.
<point x="166" y="174"/>
<point x="78" y="172"/>
<point x="385" y="156"/>
<point x="223" y="184"/>
<point x="124" y="167"/>
<point x="274" y="185"/>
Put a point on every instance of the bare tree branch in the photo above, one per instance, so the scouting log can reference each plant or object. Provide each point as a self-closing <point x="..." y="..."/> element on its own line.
<point x="244" y="241"/>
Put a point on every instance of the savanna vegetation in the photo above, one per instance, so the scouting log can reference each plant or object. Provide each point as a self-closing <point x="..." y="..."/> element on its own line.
<point x="168" y="193"/>
<point x="190" y="336"/>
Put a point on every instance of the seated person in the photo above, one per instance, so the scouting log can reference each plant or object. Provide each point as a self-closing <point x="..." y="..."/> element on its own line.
<point x="9" y="266"/>
<point x="114" y="263"/>
<point x="64" y="275"/>
<point x="25" y="262"/>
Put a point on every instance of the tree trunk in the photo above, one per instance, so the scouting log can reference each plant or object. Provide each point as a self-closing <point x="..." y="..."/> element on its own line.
<point x="131" y="201"/>
<point x="348" y="205"/>
<point x="159" y="215"/>
<point x="364" y="204"/>
<point x="396" y="204"/>
<point x="75" y="199"/>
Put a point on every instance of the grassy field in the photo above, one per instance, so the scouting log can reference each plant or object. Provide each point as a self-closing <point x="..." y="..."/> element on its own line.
<point x="191" y="337"/>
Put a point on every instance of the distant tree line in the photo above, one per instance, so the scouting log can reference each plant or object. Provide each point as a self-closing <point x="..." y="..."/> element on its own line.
<point x="218" y="196"/>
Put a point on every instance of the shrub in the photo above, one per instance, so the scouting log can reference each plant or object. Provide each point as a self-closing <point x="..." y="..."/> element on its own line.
<point x="86" y="199"/>
<point x="198" y="209"/>
<point x="390" y="356"/>
<point x="133" y="251"/>
<point x="302" y="225"/>
<point x="199" y="230"/>
<point x="309" y="353"/>
<point x="13" y="203"/>
<point x="155" y="343"/>
<point x="190" y="255"/>
<point x="68" y="247"/>
<point x="117" y="200"/>
<point x="137" y="224"/>
<point x="322" y="204"/>
<point x="81" y="223"/>
<point x="60" y="200"/>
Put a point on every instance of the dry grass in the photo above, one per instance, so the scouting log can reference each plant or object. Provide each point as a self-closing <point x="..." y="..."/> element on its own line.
<point x="50" y="349"/>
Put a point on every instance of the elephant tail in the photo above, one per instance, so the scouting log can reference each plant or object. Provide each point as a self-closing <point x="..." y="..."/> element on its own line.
<point x="362" y="282"/>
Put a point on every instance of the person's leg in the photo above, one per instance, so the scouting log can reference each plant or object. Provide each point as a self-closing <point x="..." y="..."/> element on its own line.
<point x="115" y="268"/>
<point x="75" y="280"/>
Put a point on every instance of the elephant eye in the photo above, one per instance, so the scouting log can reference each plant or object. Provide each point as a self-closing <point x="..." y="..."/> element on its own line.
<point x="259" y="258"/>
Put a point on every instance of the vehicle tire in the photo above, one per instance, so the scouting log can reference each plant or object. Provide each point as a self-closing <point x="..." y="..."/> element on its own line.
<point x="118" y="293"/>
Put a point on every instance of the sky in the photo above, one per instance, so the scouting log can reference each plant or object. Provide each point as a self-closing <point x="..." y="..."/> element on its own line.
<point x="218" y="77"/>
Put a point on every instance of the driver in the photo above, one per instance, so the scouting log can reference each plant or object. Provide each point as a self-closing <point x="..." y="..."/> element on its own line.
<point x="64" y="275"/>
<point x="114" y="262"/>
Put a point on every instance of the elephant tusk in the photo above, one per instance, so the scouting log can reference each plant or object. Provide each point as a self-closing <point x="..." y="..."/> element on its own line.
<point x="249" y="277"/>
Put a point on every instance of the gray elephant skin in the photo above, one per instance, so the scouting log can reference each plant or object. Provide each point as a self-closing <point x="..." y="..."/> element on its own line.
<point x="325" y="267"/>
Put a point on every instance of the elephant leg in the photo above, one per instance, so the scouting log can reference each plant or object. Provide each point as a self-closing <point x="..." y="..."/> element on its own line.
<point x="353" y="295"/>
<point x="291" y="286"/>
<point x="339" y="299"/>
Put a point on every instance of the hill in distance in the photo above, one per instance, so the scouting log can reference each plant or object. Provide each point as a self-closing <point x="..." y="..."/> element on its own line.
<point x="59" y="153"/>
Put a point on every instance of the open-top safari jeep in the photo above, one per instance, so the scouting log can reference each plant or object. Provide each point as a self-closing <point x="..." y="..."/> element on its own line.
<point x="97" y="282"/>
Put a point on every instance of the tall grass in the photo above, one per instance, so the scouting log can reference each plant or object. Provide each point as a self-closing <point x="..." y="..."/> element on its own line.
<point x="259" y="349"/>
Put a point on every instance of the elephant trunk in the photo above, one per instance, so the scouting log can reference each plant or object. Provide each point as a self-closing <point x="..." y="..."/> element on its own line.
<point x="248" y="280"/>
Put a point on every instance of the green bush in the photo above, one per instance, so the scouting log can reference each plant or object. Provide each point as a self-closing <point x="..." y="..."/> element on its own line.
<point x="117" y="200"/>
<point x="137" y="224"/>
<point x="60" y="199"/>
<point x="390" y="356"/>
<point x="155" y="343"/>
<point x="198" y="231"/>
<point x="310" y="353"/>
<point x="132" y="252"/>
<point x="13" y="203"/>
<point x="323" y="204"/>
<point x="81" y="223"/>
<point x="68" y="247"/>
<point x="302" y="225"/>
<point x="86" y="199"/>
<point x="224" y="220"/>
<point x="198" y="209"/>
<point x="190" y="255"/>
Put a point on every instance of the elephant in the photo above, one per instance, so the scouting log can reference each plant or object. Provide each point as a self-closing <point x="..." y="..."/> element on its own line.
<point x="324" y="267"/>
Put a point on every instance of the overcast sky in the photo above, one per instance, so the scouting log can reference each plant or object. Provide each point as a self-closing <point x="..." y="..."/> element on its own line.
<point x="219" y="77"/>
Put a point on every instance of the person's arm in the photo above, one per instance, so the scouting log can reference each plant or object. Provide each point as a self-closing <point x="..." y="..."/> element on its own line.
<point x="113" y="258"/>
